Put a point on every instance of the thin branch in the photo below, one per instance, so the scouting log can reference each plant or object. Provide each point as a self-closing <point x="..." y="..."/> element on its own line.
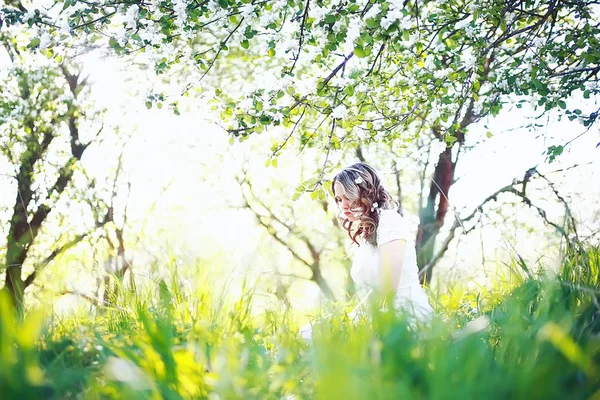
<point x="522" y="30"/>
<point x="212" y="62"/>
<point x="318" y="182"/>
<point x="301" y="37"/>
<point x="261" y="220"/>
<point x="52" y="256"/>
<point x="379" y="53"/>
<point x="326" y="80"/>
<point x="511" y="188"/>
<point x="282" y="145"/>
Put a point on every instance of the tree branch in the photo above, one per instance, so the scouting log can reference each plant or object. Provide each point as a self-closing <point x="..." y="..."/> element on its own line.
<point x="511" y="188"/>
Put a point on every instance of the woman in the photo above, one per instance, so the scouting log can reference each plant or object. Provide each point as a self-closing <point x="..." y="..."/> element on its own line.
<point x="384" y="259"/>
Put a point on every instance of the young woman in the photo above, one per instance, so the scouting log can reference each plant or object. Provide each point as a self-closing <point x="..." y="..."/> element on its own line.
<point x="384" y="259"/>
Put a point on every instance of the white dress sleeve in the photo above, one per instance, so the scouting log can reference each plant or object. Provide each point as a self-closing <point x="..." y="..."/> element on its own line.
<point x="392" y="226"/>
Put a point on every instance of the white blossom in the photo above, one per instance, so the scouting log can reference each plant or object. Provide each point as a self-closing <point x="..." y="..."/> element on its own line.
<point x="180" y="6"/>
<point x="442" y="73"/>
<point x="406" y="23"/>
<point x="131" y="17"/>
<point x="306" y="86"/>
<point x="373" y="11"/>
<point x="318" y="13"/>
<point x="537" y="42"/>
<point x="246" y="10"/>
<point x="474" y="6"/>
<point x="463" y="23"/>
<point x="45" y="40"/>
<point x="429" y="62"/>
<point x="245" y="104"/>
<point x="120" y="34"/>
<point x="340" y="112"/>
<point x="28" y="15"/>
<point x="360" y="88"/>
<point x="63" y="25"/>
<point x="470" y="31"/>
<point x="337" y="26"/>
<point x="468" y="58"/>
<point x="434" y="114"/>
<point x="392" y="16"/>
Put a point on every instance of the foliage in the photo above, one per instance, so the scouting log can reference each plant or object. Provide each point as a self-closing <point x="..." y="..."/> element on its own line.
<point x="536" y="340"/>
<point x="47" y="122"/>
<point x="376" y="70"/>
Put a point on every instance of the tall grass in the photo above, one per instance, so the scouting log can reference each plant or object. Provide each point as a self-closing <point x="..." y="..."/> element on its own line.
<point x="540" y="339"/>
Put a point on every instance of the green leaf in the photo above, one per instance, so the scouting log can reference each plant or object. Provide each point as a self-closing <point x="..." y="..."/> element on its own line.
<point x="112" y="42"/>
<point x="271" y="52"/>
<point x="245" y="43"/>
<point x="249" y="32"/>
<point x="489" y="134"/>
<point x="372" y="23"/>
<point x="365" y="37"/>
<point x="450" y="139"/>
<point x="562" y="104"/>
<point x="148" y="105"/>
<point x="34" y="43"/>
<point x="360" y="52"/>
<point x="330" y="19"/>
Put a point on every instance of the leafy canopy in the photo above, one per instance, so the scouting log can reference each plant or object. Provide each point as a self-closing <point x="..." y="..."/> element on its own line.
<point x="357" y="70"/>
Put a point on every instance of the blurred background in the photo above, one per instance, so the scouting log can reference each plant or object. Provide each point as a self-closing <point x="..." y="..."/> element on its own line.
<point x="177" y="186"/>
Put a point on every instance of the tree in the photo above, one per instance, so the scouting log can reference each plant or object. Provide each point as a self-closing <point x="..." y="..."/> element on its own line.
<point x="380" y="64"/>
<point x="43" y="137"/>
<point x="307" y="245"/>
<point x="356" y="71"/>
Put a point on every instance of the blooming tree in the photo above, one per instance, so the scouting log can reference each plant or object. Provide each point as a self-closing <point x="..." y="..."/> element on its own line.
<point x="339" y="73"/>
<point x="47" y="122"/>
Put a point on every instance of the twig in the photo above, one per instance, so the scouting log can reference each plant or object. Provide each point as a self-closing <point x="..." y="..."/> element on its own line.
<point x="318" y="182"/>
<point x="282" y="145"/>
<point x="223" y="43"/>
<point x="301" y="38"/>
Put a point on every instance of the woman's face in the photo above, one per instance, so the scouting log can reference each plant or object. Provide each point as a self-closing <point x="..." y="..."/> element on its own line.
<point x="343" y="202"/>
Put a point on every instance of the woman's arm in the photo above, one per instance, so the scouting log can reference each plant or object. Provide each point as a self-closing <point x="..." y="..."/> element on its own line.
<point x="391" y="257"/>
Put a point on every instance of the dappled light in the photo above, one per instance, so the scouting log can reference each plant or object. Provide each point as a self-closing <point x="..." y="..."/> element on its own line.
<point x="299" y="199"/>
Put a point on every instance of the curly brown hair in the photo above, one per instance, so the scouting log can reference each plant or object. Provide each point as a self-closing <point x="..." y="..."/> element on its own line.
<point x="363" y="188"/>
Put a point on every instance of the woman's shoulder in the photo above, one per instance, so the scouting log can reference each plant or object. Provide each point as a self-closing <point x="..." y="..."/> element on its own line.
<point x="389" y="212"/>
<point x="391" y="226"/>
<point x="389" y="216"/>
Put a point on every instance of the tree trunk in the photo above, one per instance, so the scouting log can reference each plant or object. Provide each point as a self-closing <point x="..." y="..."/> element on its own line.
<point x="19" y="239"/>
<point x="15" y="285"/>
<point x="318" y="278"/>
<point x="432" y="217"/>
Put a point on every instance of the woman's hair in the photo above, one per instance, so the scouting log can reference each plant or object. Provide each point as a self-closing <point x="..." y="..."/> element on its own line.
<point x="363" y="188"/>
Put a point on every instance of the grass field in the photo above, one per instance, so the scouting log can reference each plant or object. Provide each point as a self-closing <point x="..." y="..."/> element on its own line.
<point x="538" y="338"/>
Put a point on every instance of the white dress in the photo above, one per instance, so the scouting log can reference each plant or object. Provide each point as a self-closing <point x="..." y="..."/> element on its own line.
<point x="410" y="296"/>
